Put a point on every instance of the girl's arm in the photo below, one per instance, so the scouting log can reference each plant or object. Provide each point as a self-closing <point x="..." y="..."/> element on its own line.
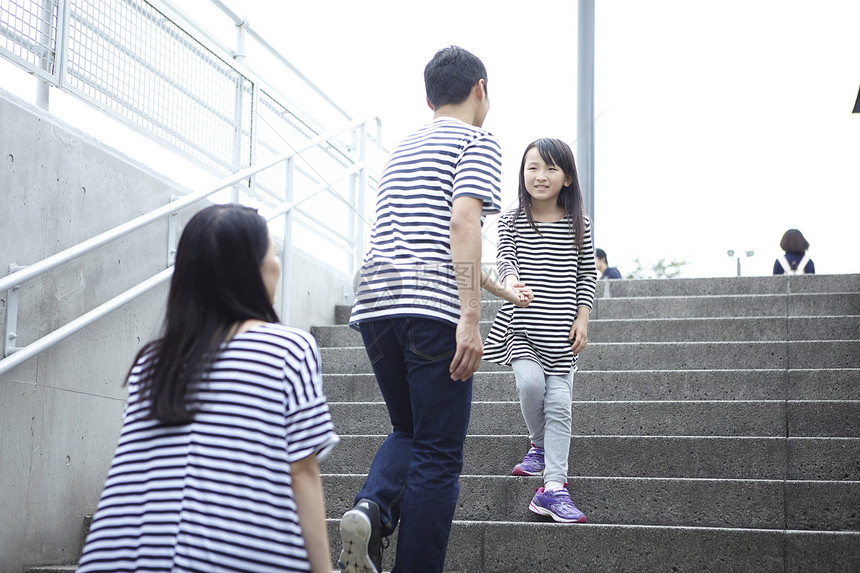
<point x="579" y="331"/>
<point x="586" y="271"/>
<point x="586" y="282"/>
<point x="307" y="489"/>
<point x="511" y="288"/>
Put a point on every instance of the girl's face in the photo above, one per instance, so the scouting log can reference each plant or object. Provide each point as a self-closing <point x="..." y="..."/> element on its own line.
<point x="543" y="181"/>
<point x="270" y="269"/>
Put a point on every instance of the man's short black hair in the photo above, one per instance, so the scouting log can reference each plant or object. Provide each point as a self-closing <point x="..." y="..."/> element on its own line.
<point x="451" y="74"/>
<point x="600" y="254"/>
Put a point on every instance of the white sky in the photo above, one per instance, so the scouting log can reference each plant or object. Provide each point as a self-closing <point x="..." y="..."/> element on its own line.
<point x="721" y="123"/>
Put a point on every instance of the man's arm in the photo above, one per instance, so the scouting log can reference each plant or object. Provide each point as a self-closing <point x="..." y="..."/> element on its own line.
<point x="466" y="256"/>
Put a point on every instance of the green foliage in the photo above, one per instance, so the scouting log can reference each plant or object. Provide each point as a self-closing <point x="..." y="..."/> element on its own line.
<point x="659" y="270"/>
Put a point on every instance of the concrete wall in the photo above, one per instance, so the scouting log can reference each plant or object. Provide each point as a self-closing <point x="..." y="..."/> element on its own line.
<point x="60" y="411"/>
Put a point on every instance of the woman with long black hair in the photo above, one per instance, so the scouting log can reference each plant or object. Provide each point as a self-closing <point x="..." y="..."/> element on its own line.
<point x="216" y="467"/>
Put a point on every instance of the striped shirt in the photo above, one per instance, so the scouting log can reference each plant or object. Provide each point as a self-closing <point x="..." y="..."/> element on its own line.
<point x="408" y="269"/>
<point x="562" y="280"/>
<point x="216" y="494"/>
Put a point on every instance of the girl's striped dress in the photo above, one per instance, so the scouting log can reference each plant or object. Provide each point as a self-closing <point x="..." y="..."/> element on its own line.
<point x="562" y="280"/>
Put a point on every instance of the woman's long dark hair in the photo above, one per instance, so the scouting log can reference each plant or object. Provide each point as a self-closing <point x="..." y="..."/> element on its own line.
<point x="216" y="284"/>
<point x="558" y="153"/>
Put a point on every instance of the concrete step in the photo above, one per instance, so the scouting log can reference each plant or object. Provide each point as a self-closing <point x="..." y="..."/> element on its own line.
<point x="755" y="305"/>
<point x="724" y="329"/>
<point x="836" y="459"/>
<point x="760" y="504"/>
<point x="507" y="547"/>
<point x="809" y="384"/>
<point x="715" y="329"/>
<point x="774" y="418"/>
<point x="716" y="287"/>
<point x="665" y="356"/>
<point x="729" y="286"/>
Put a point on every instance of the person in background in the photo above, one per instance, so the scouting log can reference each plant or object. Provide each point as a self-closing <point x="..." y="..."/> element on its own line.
<point x="418" y="306"/>
<point x="603" y="267"/>
<point x="216" y="467"/>
<point x="795" y="260"/>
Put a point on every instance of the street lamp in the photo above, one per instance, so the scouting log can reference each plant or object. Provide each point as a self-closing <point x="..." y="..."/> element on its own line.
<point x="731" y="253"/>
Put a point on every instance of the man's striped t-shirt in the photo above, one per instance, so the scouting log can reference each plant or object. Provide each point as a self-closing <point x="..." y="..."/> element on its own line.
<point x="408" y="269"/>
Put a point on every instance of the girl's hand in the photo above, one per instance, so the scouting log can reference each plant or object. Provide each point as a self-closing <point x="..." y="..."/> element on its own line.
<point x="523" y="293"/>
<point x="516" y="292"/>
<point x="579" y="334"/>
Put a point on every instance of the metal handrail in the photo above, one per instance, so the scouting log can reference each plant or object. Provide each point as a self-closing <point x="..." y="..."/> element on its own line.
<point x="36" y="269"/>
<point x="19" y="275"/>
<point x="24" y="353"/>
<point x="34" y="348"/>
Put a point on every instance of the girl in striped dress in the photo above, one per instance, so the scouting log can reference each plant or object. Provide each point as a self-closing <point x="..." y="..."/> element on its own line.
<point x="216" y="467"/>
<point x="546" y="243"/>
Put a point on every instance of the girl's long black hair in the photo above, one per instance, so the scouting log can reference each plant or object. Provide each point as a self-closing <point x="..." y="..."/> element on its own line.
<point x="216" y="284"/>
<point x="556" y="152"/>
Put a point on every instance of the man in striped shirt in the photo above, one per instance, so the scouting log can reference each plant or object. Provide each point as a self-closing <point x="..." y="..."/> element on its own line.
<point x="417" y="307"/>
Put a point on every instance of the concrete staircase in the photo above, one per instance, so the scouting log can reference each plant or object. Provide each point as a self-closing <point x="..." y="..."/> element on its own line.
<point x="717" y="428"/>
<point x="716" y="422"/>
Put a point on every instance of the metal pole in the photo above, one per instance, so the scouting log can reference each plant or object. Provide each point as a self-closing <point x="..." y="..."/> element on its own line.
<point x="358" y="246"/>
<point x="585" y="105"/>
<point x="239" y="56"/>
<point x="43" y="87"/>
<point x="287" y="250"/>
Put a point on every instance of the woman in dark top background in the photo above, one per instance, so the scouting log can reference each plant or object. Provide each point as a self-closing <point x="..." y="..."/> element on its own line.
<point x="795" y="261"/>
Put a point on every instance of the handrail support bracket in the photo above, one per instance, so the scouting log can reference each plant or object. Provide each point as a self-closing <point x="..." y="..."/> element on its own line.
<point x="11" y="335"/>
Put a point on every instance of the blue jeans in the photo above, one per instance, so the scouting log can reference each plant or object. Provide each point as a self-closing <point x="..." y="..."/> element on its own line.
<point x="414" y="477"/>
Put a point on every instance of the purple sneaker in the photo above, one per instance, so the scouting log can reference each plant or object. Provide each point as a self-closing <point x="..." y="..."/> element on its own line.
<point x="557" y="505"/>
<point x="532" y="464"/>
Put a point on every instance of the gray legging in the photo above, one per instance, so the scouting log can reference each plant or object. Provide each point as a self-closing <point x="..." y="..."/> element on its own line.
<point x="546" y="403"/>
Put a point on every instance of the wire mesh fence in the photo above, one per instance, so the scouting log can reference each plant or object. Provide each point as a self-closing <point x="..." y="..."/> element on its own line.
<point x="28" y="34"/>
<point x="140" y="63"/>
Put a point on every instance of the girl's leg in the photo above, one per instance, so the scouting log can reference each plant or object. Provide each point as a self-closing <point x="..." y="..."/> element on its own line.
<point x="531" y="387"/>
<point x="559" y="395"/>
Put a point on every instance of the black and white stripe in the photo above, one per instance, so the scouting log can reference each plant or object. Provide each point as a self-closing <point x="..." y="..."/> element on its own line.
<point x="408" y="269"/>
<point x="216" y="494"/>
<point x="562" y="279"/>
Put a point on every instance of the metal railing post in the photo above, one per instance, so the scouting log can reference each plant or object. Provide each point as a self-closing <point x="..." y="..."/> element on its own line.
<point x="353" y="202"/>
<point x="358" y="245"/>
<point x="239" y="56"/>
<point x="43" y="87"/>
<point x="287" y="247"/>
<point x="172" y="224"/>
<point x="252" y="132"/>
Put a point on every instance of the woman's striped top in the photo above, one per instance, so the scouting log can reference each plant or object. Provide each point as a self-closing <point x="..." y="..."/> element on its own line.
<point x="408" y="269"/>
<point x="562" y="280"/>
<point x="215" y="494"/>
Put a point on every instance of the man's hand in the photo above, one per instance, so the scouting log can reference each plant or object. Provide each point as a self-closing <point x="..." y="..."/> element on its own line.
<point x="470" y="349"/>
